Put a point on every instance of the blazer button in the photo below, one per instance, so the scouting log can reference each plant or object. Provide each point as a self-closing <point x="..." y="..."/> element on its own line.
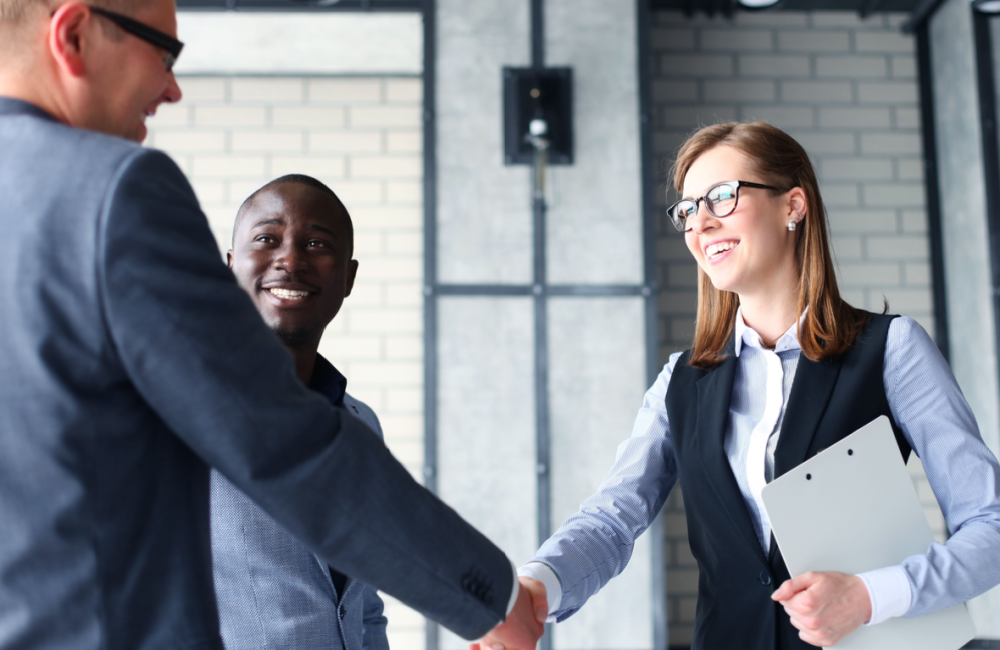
<point x="764" y="578"/>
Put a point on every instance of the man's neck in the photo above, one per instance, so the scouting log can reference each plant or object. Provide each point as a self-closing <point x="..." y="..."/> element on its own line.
<point x="305" y="362"/>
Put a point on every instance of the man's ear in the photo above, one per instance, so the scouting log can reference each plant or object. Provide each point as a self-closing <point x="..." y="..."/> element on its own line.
<point x="352" y="274"/>
<point x="68" y="37"/>
<point x="229" y="258"/>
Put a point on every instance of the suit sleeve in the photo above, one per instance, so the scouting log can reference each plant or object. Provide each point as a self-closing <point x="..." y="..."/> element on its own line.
<point x="197" y="352"/>
<point x="374" y="621"/>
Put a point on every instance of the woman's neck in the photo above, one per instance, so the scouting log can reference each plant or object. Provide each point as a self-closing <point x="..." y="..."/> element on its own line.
<point x="770" y="314"/>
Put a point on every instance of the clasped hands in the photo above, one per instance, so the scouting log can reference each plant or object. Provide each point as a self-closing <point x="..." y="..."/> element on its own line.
<point x="825" y="606"/>
<point x="525" y="623"/>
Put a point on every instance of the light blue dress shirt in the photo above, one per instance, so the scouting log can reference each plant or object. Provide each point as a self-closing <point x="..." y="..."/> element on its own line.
<point x="273" y="592"/>
<point x="595" y="544"/>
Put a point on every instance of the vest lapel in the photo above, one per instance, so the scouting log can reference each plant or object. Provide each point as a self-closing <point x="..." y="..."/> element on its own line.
<point x="715" y="391"/>
<point x="807" y="402"/>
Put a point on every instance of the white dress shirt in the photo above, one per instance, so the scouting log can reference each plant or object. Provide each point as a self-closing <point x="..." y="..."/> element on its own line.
<point x="926" y="404"/>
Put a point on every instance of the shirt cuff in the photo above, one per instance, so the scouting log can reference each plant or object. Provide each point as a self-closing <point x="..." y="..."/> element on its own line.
<point x="889" y="592"/>
<point x="544" y="574"/>
<point x="513" y="592"/>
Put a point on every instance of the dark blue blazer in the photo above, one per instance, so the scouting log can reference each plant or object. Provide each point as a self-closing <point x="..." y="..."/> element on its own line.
<point x="130" y="361"/>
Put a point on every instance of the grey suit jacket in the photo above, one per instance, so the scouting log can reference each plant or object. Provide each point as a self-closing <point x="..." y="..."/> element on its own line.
<point x="273" y="592"/>
<point x="130" y="361"/>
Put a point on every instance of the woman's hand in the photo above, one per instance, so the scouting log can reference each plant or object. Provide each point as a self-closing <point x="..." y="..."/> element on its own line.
<point x="825" y="606"/>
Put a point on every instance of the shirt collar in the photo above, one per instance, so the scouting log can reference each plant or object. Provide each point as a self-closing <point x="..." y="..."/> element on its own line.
<point x="328" y="381"/>
<point x="745" y="335"/>
<point x="13" y="106"/>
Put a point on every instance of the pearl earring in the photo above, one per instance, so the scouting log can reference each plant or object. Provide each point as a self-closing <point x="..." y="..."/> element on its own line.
<point x="791" y="224"/>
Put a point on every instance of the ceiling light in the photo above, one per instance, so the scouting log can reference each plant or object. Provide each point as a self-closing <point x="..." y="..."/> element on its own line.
<point x="987" y="6"/>
<point x="761" y="4"/>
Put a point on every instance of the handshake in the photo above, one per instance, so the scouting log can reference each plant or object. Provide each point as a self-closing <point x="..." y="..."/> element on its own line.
<point x="525" y="623"/>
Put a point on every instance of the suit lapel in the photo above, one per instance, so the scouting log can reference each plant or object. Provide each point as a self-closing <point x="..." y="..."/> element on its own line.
<point x="715" y="391"/>
<point x="807" y="402"/>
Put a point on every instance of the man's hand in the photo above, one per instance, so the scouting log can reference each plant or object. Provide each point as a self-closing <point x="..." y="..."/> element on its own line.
<point x="825" y="606"/>
<point x="524" y="625"/>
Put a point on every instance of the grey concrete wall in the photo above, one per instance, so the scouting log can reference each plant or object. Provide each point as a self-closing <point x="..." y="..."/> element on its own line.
<point x="847" y="90"/>
<point x="963" y="199"/>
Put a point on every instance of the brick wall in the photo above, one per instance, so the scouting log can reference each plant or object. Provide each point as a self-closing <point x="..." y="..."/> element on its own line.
<point x="363" y="137"/>
<point x="846" y="89"/>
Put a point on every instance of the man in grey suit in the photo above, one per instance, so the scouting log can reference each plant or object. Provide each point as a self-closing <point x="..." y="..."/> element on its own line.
<point x="293" y="253"/>
<point x="130" y="361"/>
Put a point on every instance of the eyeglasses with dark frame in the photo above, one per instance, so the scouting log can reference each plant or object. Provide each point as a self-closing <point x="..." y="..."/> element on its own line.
<point x="720" y="199"/>
<point x="163" y="41"/>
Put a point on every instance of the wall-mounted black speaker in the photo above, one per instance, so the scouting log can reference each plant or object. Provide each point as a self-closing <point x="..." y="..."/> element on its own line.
<point x="529" y="94"/>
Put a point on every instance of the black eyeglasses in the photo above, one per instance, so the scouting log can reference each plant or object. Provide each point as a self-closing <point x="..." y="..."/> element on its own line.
<point x="146" y="33"/>
<point x="720" y="200"/>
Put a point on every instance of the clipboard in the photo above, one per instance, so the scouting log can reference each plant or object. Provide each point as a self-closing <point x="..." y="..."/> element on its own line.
<point x="853" y="508"/>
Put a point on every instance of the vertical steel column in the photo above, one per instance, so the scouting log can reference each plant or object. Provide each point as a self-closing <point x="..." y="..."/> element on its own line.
<point x="932" y="187"/>
<point x="433" y="641"/>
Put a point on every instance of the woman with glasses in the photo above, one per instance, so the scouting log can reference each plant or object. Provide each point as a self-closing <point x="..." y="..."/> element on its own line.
<point x="780" y="368"/>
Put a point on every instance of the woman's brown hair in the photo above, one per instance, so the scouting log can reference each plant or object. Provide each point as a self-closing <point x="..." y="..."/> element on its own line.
<point x="830" y="325"/>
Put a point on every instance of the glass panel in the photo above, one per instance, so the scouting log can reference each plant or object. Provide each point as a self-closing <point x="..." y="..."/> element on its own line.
<point x="596" y="384"/>
<point x="486" y="415"/>
<point x="595" y="212"/>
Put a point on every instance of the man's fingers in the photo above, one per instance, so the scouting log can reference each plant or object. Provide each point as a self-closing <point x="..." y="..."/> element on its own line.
<point x="539" y="597"/>
<point x="794" y="585"/>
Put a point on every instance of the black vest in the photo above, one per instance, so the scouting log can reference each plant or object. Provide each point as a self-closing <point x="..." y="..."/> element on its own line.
<point x="828" y="401"/>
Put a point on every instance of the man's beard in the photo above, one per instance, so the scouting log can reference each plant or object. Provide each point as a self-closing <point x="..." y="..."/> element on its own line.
<point x="299" y="337"/>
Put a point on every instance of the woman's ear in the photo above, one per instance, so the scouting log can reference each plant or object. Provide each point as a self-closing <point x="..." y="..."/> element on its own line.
<point x="798" y="207"/>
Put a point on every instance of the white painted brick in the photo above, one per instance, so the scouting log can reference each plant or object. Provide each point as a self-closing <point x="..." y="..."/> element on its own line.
<point x="814" y="92"/>
<point x="343" y="91"/>
<point x="272" y="90"/>
<point x="738" y="91"/>
<point x="697" y="65"/>
<point x="846" y="248"/>
<point x="386" y="373"/>
<point x="202" y="89"/>
<point x="228" y="166"/>
<point x="325" y="168"/>
<point x="406" y="427"/>
<point x="917" y="274"/>
<point x="811" y="41"/>
<point x="309" y="116"/>
<point x="844" y="19"/>
<point x="896" y="19"/>
<point x="268" y="141"/>
<point x="773" y="65"/>
<point x="170" y="115"/>
<point x="688" y="117"/>
<point x="209" y="191"/>
<point x="367" y="293"/>
<point x="674" y="91"/>
<point x="854" y="297"/>
<point x="671" y="39"/>
<point x="826" y="143"/>
<point x="852" y="67"/>
<point x="403" y="242"/>
<point x="840" y="194"/>
<point x="910" y="169"/>
<point x="386" y="167"/>
<point x="367" y="242"/>
<point x="914" y="221"/>
<point x="184" y="161"/>
<point x="410" y="453"/>
<point x="405" y="294"/>
<point x="853" y="117"/>
<point x="404" y="191"/>
<point x="889" y="41"/>
<point x="406" y="91"/>
<point x="860" y="169"/>
<point x="844" y="221"/>
<point x="402" y="400"/>
<point x="896" y="247"/>
<point x="239" y="190"/>
<point x="742" y="40"/>
<point x="908" y="301"/>
<point x="393" y="268"/>
<point x="902" y="66"/>
<point x="888" y="92"/>
<point x="229" y="116"/>
<point x="771" y="18"/>
<point x="191" y="141"/>
<point x="861" y="274"/>
<point x="906" y="118"/>
<point x="404" y="142"/>
<point x="356" y="346"/>
<point x="894" y="195"/>
<point x="345" y="141"/>
<point x="385" y="116"/>
<point x="783" y="117"/>
<point x="387" y="320"/>
<point x="890" y="143"/>
<point x="354" y="193"/>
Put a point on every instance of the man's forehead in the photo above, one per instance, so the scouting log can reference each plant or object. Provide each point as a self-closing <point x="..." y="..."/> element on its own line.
<point x="293" y="203"/>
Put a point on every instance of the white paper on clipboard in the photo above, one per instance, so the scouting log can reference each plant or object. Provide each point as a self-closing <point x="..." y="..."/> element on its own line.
<point x="853" y="508"/>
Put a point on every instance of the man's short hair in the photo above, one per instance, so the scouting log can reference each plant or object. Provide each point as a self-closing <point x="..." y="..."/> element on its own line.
<point x="13" y="13"/>
<point x="308" y="181"/>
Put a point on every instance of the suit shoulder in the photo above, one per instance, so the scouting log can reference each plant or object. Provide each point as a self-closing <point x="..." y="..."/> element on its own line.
<point x="363" y="412"/>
